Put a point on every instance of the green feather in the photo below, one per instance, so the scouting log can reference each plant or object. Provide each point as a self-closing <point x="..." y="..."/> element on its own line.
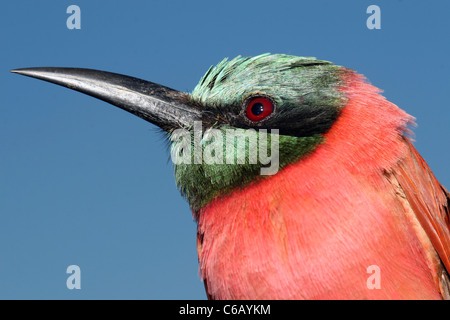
<point x="301" y="87"/>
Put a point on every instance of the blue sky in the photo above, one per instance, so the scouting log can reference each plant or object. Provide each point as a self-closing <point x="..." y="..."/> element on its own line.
<point x="84" y="183"/>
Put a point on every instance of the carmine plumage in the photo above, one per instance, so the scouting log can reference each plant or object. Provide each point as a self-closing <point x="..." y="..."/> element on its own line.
<point x="311" y="231"/>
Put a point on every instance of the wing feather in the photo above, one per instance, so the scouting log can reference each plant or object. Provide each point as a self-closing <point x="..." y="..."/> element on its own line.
<point x="430" y="202"/>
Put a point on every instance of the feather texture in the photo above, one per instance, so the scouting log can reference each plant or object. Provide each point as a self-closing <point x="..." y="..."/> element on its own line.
<point x="312" y="230"/>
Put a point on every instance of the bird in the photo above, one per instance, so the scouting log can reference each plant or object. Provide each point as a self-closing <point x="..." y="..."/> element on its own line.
<point x="349" y="193"/>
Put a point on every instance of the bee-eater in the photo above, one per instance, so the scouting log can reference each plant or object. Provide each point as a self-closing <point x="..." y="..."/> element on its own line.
<point x="351" y="194"/>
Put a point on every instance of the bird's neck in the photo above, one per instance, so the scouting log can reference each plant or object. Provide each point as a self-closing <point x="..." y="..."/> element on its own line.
<point x="201" y="180"/>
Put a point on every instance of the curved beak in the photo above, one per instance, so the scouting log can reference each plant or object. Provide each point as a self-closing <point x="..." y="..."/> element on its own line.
<point x="167" y="108"/>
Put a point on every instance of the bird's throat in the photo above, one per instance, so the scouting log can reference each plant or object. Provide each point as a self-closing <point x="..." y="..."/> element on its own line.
<point x="200" y="181"/>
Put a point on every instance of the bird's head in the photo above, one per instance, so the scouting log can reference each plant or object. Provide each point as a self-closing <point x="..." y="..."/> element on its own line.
<point x="245" y="116"/>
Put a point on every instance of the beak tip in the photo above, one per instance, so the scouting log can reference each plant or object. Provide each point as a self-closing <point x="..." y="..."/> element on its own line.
<point x="19" y="71"/>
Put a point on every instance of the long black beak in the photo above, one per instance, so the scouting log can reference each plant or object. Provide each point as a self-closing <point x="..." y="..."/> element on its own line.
<point x="160" y="105"/>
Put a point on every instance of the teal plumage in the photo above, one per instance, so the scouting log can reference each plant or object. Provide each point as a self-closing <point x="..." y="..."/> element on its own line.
<point x="300" y="86"/>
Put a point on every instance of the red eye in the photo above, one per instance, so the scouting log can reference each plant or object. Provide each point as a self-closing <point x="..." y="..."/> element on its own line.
<point x="259" y="108"/>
